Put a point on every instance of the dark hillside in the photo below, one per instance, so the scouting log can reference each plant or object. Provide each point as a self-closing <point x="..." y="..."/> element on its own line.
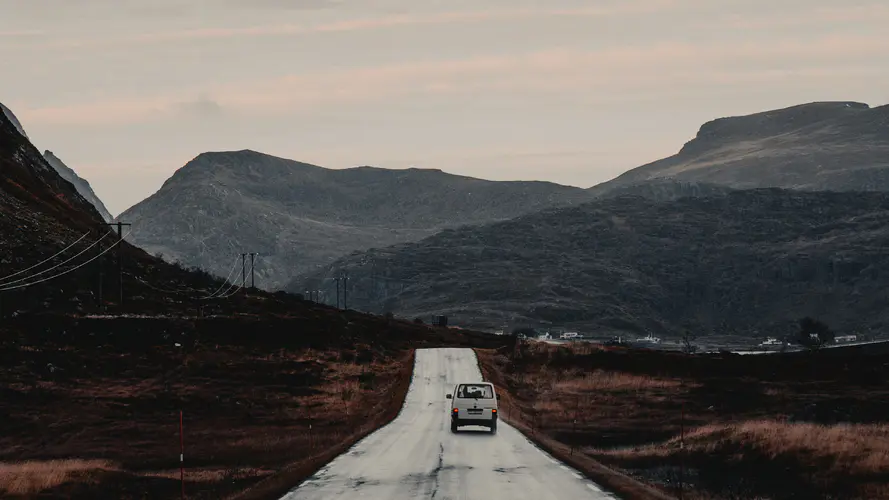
<point x="746" y="262"/>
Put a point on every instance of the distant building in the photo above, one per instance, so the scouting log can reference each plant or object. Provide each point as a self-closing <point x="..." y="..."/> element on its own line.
<point x="846" y="338"/>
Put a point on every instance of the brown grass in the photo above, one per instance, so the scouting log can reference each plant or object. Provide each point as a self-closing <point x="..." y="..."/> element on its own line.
<point x="844" y="449"/>
<point x="577" y="381"/>
<point x="34" y="476"/>
<point x="248" y="417"/>
<point x="210" y="475"/>
<point x="753" y="428"/>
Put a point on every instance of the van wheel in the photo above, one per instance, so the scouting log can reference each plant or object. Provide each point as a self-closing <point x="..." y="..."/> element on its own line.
<point x="453" y="426"/>
<point x="494" y="427"/>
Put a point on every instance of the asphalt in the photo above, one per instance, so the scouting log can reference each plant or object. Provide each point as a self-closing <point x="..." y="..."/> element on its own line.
<point x="417" y="456"/>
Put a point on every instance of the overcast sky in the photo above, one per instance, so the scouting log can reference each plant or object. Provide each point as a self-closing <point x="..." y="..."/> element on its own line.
<point x="575" y="92"/>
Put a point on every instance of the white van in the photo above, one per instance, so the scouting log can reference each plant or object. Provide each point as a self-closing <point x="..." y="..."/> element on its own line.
<point x="474" y="404"/>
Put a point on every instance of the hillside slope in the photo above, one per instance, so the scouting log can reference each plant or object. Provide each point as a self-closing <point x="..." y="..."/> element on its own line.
<point x="837" y="146"/>
<point x="298" y="216"/>
<point x="82" y="185"/>
<point x="14" y="121"/>
<point x="80" y="375"/>
<point x="59" y="255"/>
<point x="746" y="261"/>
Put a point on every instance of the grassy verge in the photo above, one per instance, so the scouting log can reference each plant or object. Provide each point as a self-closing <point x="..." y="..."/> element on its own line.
<point x="794" y="426"/>
<point x="384" y="411"/>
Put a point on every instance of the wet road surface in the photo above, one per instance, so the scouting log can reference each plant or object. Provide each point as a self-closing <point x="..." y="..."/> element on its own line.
<point x="417" y="456"/>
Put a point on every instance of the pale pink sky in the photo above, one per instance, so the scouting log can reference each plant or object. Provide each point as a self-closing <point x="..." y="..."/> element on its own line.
<point x="576" y="92"/>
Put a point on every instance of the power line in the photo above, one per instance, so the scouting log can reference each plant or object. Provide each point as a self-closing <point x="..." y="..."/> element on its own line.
<point x="236" y="290"/>
<point x="226" y="293"/>
<point x="69" y="270"/>
<point x="62" y="263"/>
<point x="226" y="282"/>
<point x="119" y="258"/>
<point x="192" y="289"/>
<point x="47" y="260"/>
<point x="166" y="290"/>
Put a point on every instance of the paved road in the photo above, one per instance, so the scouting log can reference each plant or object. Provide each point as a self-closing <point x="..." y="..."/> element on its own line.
<point x="416" y="456"/>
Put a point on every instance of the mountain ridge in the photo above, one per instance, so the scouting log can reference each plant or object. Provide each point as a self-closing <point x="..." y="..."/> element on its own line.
<point x="298" y="215"/>
<point x="82" y="185"/>
<point x="13" y="120"/>
<point x="830" y="145"/>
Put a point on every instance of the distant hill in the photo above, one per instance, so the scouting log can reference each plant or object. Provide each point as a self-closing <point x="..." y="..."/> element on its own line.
<point x="13" y="120"/>
<point x="40" y="214"/>
<point x="837" y="146"/>
<point x="59" y="256"/>
<point x="299" y="216"/>
<point x="83" y="187"/>
<point x="748" y="262"/>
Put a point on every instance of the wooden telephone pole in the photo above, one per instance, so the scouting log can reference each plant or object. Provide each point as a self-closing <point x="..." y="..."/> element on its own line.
<point x="244" y="273"/>
<point x="252" y="276"/>
<point x="337" y="279"/>
<point x="120" y="226"/>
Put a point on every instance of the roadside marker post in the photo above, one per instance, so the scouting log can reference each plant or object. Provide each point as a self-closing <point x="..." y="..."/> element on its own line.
<point x="574" y="424"/>
<point x="181" y="456"/>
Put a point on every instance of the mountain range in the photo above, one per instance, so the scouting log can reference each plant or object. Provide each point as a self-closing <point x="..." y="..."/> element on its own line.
<point x="421" y="241"/>
<point x="836" y="146"/>
<point x="298" y="216"/>
<point x="748" y="262"/>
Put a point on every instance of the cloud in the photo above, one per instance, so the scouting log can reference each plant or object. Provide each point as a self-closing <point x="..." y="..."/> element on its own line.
<point x="607" y="75"/>
<point x="202" y="107"/>
<point x="21" y="33"/>
<point x="628" y="8"/>
<point x="283" y="4"/>
<point x="833" y="16"/>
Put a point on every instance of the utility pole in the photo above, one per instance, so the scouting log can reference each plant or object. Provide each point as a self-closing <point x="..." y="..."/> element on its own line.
<point x="252" y="276"/>
<point x="345" y="291"/>
<point x="244" y="272"/>
<point x="99" y="259"/>
<point x="337" y="279"/>
<point x="120" y="226"/>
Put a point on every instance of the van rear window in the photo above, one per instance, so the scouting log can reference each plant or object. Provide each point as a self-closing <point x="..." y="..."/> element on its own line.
<point x="475" y="391"/>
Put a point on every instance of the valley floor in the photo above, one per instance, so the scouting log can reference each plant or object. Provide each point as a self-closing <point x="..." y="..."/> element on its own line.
<point x="807" y="425"/>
